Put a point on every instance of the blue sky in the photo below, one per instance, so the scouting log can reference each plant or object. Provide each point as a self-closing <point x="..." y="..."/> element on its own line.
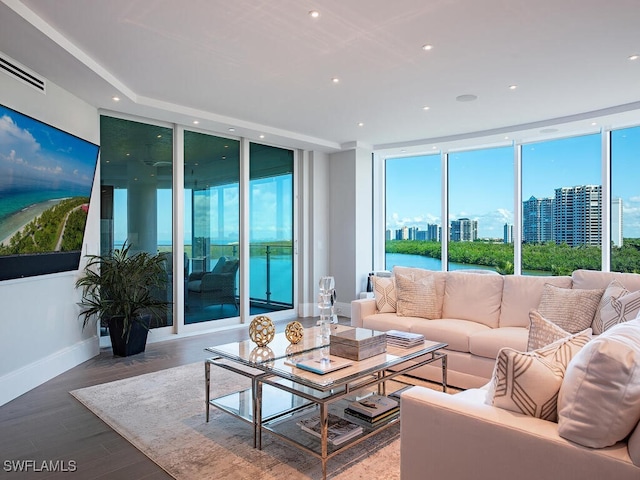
<point x="34" y="155"/>
<point x="481" y="181"/>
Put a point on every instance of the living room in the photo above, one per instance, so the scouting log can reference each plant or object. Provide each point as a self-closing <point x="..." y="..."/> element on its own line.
<point x="339" y="214"/>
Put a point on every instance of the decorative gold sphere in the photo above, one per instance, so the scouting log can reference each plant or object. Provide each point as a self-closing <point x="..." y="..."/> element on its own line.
<point x="294" y="331"/>
<point x="261" y="356"/>
<point x="262" y="330"/>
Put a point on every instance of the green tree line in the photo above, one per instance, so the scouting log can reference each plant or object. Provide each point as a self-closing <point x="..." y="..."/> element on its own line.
<point x="546" y="258"/>
<point x="42" y="233"/>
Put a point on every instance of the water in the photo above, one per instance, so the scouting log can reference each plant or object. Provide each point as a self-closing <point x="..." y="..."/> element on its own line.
<point x="428" y="263"/>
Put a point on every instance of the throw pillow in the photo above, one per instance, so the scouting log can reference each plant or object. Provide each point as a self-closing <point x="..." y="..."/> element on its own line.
<point x="529" y="382"/>
<point x="542" y="332"/>
<point x="572" y="309"/>
<point x="384" y="289"/>
<point x="599" y="400"/>
<point x="616" y="306"/>
<point x="416" y="298"/>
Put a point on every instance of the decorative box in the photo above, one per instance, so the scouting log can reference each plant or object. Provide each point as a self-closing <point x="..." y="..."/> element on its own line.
<point x="357" y="343"/>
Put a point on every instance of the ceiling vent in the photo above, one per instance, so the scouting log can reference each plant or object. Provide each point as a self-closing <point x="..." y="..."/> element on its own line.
<point x="22" y="73"/>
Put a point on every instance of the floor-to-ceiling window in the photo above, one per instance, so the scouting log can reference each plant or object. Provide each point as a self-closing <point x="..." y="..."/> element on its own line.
<point x="481" y="209"/>
<point x="270" y="228"/>
<point x="136" y="163"/>
<point x="413" y="206"/>
<point x="625" y="200"/>
<point x="211" y="227"/>
<point x="562" y="205"/>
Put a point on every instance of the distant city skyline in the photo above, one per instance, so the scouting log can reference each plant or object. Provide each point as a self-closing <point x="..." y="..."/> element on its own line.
<point x="481" y="181"/>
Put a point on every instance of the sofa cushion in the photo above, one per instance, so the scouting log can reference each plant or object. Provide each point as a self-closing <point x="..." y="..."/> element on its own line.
<point x="473" y="296"/>
<point x="542" y="332"/>
<point x="488" y="343"/>
<point x="521" y="293"/>
<point x="416" y="297"/>
<point x="591" y="279"/>
<point x="389" y="321"/>
<point x="599" y="401"/>
<point x="617" y="305"/>
<point x="439" y="278"/>
<point x="529" y="382"/>
<point x="452" y="331"/>
<point x="633" y="445"/>
<point x="571" y="309"/>
<point x="384" y="289"/>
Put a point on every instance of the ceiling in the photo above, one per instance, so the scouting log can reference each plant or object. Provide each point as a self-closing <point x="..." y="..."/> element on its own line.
<point x="265" y="67"/>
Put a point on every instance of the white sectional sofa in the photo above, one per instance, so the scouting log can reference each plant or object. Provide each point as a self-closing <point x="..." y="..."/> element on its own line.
<point x="597" y="434"/>
<point x="475" y="314"/>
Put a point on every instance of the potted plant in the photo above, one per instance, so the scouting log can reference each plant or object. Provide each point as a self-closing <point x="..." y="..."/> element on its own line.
<point x="122" y="290"/>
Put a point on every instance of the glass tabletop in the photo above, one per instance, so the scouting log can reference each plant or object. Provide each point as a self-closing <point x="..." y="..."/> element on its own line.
<point x="249" y="353"/>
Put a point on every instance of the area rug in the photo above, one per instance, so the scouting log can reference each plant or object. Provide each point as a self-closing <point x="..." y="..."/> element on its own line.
<point x="163" y="415"/>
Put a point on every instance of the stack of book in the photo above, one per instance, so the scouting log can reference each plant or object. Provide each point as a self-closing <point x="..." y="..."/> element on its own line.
<point x="404" y="339"/>
<point x="338" y="431"/>
<point x="373" y="409"/>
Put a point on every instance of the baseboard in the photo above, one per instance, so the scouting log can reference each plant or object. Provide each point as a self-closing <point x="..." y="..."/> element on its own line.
<point x="20" y="381"/>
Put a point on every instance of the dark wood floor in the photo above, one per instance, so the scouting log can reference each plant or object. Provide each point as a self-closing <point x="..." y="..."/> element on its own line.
<point x="48" y="424"/>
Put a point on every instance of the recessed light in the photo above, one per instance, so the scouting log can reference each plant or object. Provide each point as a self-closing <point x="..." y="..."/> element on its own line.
<point x="115" y="98"/>
<point x="434" y="148"/>
<point x="335" y="80"/>
<point x="314" y="14"/>
<point x="360" y="124"/>
<point x="467" y="97"/>
<point x="593" y="124"/>
<point x="427" y="47"/>
<point x="426" y="108"/>
<point x="261" y="136"/>
<point x="634" y="57"/>
<point x="403" y="151"/>
<point x="196" y="122"/>
<point x="232" y="129"/>
<point x="513" y="87"/>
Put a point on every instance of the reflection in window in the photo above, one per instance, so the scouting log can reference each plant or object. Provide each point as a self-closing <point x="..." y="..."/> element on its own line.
<point x="413" y="212"/>
<point x="211" y="227"/>
<point x="625" y="201"/>
<point x="136" y="162"/>
<point x="270" y="228"/>
<point x="481" y="209"/>
<point x="562" y="205"/>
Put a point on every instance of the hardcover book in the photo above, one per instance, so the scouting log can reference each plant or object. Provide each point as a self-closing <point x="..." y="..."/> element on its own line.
<point x="339" y="430"/>
<point x="374" y="406"/>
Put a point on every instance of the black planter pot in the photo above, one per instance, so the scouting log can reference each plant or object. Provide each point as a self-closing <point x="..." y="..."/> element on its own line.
<point x="137" y="341"/>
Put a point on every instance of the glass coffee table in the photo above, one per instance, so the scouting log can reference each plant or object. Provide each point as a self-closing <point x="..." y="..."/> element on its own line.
<point x="281" y="395"/>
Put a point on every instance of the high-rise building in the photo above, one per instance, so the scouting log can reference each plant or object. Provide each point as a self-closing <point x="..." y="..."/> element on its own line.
<point x="507" y="236"/>
<point x="616" y="222"/>
<point x="578" y="215"/>
<point x="464" y="230"/>
<point x="434" y="232"/>
<point x="537" y="220"/>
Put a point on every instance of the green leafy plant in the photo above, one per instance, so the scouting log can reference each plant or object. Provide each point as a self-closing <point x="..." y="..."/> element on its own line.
<point x="124" y="285"/>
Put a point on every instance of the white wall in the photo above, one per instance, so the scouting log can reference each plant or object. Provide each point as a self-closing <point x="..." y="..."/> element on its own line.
<point x="350" y="224"/>
<point x="40" y="333"/>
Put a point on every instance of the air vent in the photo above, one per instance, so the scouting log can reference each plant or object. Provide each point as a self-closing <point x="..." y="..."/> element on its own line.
<point x="21" y="73"/>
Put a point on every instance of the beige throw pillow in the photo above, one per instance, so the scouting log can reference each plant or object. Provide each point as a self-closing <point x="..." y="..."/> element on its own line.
<point x="571" y="309"/>
<point x="599" y="401"/>
<point x="416" y="298"/>
<point x="542" y="332"/>
<point x="529" y="382"/>
<point x="617" y="305"/>
<point x="384" y="289"/>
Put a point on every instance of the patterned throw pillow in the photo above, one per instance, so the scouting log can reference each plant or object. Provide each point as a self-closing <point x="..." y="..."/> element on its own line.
<point x="572" y="309"/>
<point x="416" y="298"/>
<point x="542" y="332"/>
<point x="617" y="305"/>
<point x="384" y="289"/>
<point x="529" y="382"/>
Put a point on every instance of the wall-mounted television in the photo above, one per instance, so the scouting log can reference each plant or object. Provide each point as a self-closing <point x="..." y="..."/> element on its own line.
<point x="46" y="177"/>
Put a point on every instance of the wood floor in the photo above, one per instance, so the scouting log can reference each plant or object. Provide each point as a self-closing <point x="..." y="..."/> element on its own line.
<point x="47" y="424"/>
